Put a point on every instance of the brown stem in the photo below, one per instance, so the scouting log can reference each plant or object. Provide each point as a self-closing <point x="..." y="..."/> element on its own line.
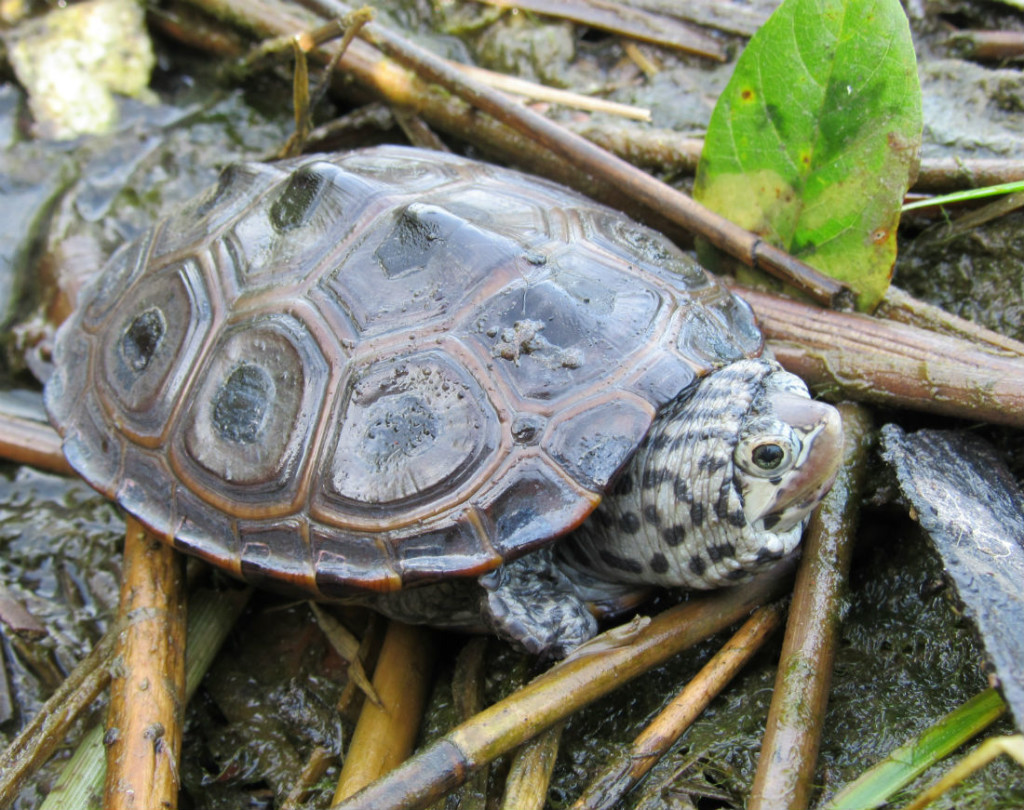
<point x="529" y="776"/>
<point x="849" y="356"/>
<point x="558" y="693"/>
<point x="786" y="766"/>
<point x="627" y="22"/>
<point x="400" y="87"/>
<point x="43" y="733"/>
<point x="148" y="690"/>
<point x="607" y="790"/>
<point x="25" y="441"/>
<point x="986" y="46"/>
<point x="385" y="734"/>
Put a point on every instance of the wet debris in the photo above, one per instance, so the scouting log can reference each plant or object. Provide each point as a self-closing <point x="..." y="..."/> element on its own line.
<point x="960" y="492"/>
<point x="72" y="60"/>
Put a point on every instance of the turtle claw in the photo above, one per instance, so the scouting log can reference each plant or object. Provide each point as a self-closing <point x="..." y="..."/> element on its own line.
<point x="532" y="604"/>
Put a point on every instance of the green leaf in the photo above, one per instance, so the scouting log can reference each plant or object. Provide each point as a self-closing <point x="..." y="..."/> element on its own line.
<point x="814" y="139"/>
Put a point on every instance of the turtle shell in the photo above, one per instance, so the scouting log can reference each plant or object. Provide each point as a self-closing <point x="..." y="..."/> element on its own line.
<point x="366" y="370"/>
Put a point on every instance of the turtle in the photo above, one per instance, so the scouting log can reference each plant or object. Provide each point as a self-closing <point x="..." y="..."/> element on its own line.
<point x="460" y="394"/>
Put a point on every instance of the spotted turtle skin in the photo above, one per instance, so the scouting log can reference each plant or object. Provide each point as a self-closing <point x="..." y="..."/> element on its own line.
<point x="351" y="373"/>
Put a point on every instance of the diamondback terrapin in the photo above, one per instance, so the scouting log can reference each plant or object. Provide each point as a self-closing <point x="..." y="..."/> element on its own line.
<point x="398" y="376"/>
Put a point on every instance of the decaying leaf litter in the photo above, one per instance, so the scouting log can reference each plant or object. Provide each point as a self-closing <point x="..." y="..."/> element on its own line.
<point x="722" y="775"/>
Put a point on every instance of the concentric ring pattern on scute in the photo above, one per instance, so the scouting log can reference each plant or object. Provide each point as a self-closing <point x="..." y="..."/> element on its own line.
<point x="372" y="369"/>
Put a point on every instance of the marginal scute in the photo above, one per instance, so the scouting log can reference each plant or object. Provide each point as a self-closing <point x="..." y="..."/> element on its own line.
<point x="146" y="488"/>
<point x="537" y="504"/>
<point x="207" y="533"/>
<point x="351" y="563"/>
<point x="276" y="554"/>
<point x="457" y="542"/>
<point x="92" y="449"/>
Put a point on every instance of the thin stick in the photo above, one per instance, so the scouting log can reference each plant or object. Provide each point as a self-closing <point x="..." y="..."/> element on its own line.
<point x="530" y="774"/>
<point x="676" y="206"/>
<point x="628" y="22"/>
<point x="558" y="693"/>
<point x="541" y="92"/>
<point x="147" y="693"/>
<point x="211" y="615"/>
<point x="47" y="730"/>
<point x="316" y="766"/>
<point x="25" y="441"/>
<point x="385" y="734"/>
<point x="850" y="356"/>
<point x="786" y="766"/>
<point x="619" y="777"/>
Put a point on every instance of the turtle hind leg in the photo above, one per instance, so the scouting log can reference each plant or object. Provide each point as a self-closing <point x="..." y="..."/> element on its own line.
<point x="533" y="604"/>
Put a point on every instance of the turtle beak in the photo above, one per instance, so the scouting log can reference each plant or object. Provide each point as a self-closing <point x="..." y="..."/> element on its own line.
<point x="820" y="430"/>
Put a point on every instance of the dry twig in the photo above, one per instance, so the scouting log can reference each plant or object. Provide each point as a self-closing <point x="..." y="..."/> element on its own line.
<point x="618" y="778"/>
<point x="790" y="749"/>
<point x="43" y="733"/>
<point x="558" y="693"/>
<point x="851" y="356"/>
<point x="148" y="688"/>
<point x="25" y="441"/>
<point x="385" y="734"/>
<point x="529" y="776"/>
<point x="624" y="21"/>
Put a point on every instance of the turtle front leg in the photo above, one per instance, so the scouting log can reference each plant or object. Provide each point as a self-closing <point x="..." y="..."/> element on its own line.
<point x="533" y="604"/>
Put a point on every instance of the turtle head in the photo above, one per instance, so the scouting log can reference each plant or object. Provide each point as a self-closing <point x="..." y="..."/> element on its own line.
<point x="787" y="454"/>
<point x="722" y="486"/>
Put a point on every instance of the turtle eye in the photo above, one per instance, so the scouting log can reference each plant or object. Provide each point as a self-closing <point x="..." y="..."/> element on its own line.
<point x="765" y="456"/>
<point x="768" y="456"/>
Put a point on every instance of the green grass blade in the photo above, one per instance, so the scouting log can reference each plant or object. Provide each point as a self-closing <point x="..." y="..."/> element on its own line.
<point x="968" y="195"/>
<point x="877" y="785"/>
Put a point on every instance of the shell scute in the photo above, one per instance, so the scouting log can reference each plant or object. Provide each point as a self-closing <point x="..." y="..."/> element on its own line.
<point x="126" y="264"/>
<point x="150" y="345"/>
<point x="248" y="426"/>
<point x="647" y="250"/>
<point x="239" y="188"/>
<point x="294" y="231"/>
<point x="405" y="171"/>
<point x="593" y="441"/>
<point x="585" y="322"/>
<point x="344" y="569"/>
<point x="412" y="436"/>
<point x="146" y="488"/>
<point x="276" y="554"/>
<point x="415" y="266"/>
<point x="717" y="330"/>
<point x="461" y="543"/>
<point x="538" y="503"/>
